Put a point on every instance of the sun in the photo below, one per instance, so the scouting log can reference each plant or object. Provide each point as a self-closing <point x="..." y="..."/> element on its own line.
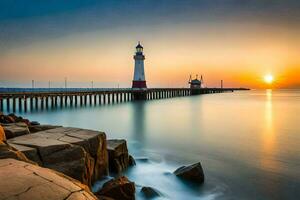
<point x="268" y="78"/>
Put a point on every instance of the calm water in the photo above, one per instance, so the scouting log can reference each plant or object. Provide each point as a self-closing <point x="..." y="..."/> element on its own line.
<point x="248" y="142"/>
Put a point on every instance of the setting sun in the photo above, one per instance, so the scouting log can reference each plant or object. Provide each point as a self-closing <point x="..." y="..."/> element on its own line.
<point x="269" y="78"/>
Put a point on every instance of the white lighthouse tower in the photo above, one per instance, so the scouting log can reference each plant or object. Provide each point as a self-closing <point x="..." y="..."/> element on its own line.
<point x="139" y="80"/>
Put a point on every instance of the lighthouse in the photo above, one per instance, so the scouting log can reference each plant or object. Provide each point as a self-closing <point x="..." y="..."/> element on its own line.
<point x="139" y="81"/>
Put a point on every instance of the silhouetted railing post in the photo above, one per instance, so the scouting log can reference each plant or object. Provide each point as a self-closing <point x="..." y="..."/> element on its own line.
<point x="7" y="104"/>
<point x="1" y="104"/>
<point x="42" y="102"/>
<point x="95" y="99"/>
<point x="14" y="104"/>
<point x="25" y="103"/>
<point x="36" y="103"/>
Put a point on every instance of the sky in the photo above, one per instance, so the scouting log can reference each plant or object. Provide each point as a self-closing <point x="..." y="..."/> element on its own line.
<point x="238" y="41"/>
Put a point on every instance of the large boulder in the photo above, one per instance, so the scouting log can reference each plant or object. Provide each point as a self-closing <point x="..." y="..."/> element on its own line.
<point x="26" y="181"/>
<point x="15" y="129"/>
<point x="119" y="188"/>
<point x="119" y="158"/>
<point x="78" y="153"/>
<point x="192" y="173"/>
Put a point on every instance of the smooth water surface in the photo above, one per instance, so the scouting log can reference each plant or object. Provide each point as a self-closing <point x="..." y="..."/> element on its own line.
<point x="248" y="142"/>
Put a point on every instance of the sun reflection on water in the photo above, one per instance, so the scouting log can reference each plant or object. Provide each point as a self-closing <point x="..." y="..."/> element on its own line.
<point x="269" y="163"/>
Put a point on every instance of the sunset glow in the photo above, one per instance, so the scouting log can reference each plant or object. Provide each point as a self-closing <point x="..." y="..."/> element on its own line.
<point x="89" y="43"/>
<point x="269" y="78"/>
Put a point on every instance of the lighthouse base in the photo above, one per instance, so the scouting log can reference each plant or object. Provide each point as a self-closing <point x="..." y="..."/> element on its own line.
<point x="139" y="95"/>
<point x="139" y="84"/>
<point x="195" y="91"/>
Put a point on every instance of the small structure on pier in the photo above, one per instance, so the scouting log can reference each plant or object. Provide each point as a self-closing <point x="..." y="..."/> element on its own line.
<point x="139" y="81"/>
<point x="196" y="83"/>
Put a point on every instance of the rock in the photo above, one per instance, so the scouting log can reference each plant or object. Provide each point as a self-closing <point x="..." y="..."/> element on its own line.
<point x="78" y="153"/>
<point x="26" y="121"/>
<point x="2" y="118"/>
<point x="26" y="181"/>
<point x="2" y="134"/>
<point x="34" y="123"/>
<point x="192" y="173"/>
<point x="131" y="161"/>
<point x="19" y="119"/>
<point x="33" y="128"/>
<point x="119" y="188"/>
<point x="15" y="129"/>
<point x="104" y="198"/>
<point x="72" y="161"/>
<point x="150" y="192"/>
<point x="10" y="119"/>
<point x="94" y="142"/>
<point x="142" y="159"/>
<point x="7" y="151"/>
<point x="118" y="155"/>
<point x="29" y="152"/>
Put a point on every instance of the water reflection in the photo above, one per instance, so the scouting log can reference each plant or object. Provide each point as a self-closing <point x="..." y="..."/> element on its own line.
<point x="268" y="132"/>
<point x="268" y="144"/>
<point x="268" y="161"/>
<point x="138" y="126"/>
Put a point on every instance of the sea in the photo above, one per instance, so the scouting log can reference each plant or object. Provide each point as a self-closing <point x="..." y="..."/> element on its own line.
<point x="248" y="142"/>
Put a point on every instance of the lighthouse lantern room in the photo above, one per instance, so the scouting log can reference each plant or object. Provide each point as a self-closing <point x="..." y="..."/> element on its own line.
<point x="139" y="80"/>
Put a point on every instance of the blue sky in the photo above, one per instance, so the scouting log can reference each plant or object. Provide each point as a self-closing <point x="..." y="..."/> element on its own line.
<point x="23" y="21"/>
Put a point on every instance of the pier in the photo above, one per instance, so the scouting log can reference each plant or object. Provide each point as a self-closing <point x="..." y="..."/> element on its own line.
<point x="29" y="99"/>
<point x="23" y="100"/>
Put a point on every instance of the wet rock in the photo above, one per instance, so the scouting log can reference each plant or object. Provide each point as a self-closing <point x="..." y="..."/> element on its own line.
<point x="15" y="129"/>
<point x="150" y="192"/>
<point x="78" y="153"/>
<point x="118" y="155"/>
<point x="131" y="161"/>
<point x="26" y="181"/>
<point x="34" y="123"/>
<point x="192" y="173"/>
<point x="119" y="188"/>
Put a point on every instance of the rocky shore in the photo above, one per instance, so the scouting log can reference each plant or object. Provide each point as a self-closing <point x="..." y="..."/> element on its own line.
<point x="55" y="162"/>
